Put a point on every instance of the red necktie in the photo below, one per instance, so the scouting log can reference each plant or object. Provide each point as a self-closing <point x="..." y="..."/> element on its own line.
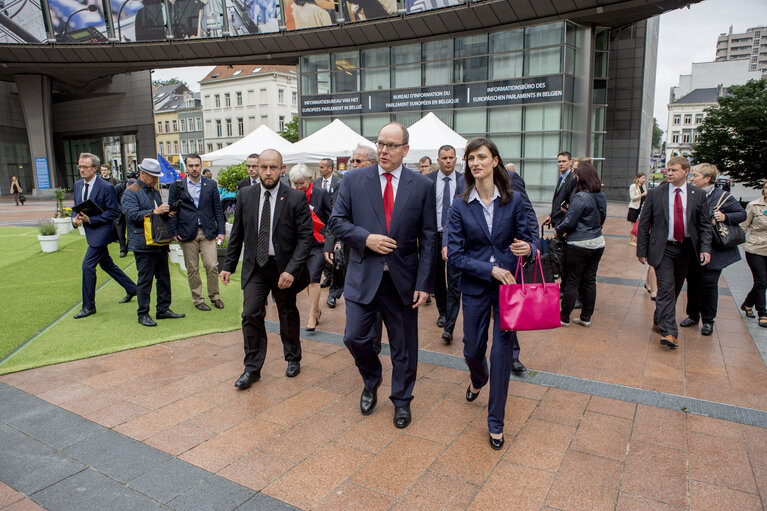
<point x="678" y="217"/>
<point x="388" y="199"/>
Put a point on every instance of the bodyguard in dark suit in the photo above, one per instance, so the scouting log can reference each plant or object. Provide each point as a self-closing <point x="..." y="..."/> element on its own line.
<point x="327" y="180"/>
<point x="564" y="189"/>
<point x="139" y="200"/>
<point x="99" y="231"/>
<point x="275" y="224"/>
<point x="251" y="165"/>
<point x="448" y="183"/>
<point x="674" y="229"/>
<point x="198" y="224"/>
<point x="385" y="214"/>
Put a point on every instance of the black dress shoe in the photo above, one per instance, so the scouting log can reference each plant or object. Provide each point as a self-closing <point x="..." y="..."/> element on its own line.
<point x="145" y="320"/>
<point x="84" y="313"/>
<point x="441" y="322"/>
<point x="708" y="329"/>
<point x="200" y="306"/>
<point x="402" y="416"/>
<point x="688" y="322"/>
<point x="517" y="367"/>
<point x="326" y="282"/>
<point x="247" y="379"/>
<point x="169" y="314"/>
<point x="218" y="303"/>
<point x="331" y="302"/>
<point x="496" y="443"/>
<point x="294" y="367"/>
<point x="471" y="396"/>
<point x="127" y="298"/>
<point x="368" y="400"/>
<point x="447" y="337"/>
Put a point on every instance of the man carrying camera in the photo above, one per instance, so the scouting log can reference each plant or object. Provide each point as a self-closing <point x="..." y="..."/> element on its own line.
<point x="140" y="199"/>
<point x="198" y="225"/>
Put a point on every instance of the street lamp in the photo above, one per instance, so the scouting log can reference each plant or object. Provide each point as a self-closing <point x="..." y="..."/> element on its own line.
<point x="90" y="8"/>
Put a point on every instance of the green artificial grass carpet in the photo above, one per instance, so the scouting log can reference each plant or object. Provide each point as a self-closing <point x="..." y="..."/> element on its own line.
<point x="37" y="289"/>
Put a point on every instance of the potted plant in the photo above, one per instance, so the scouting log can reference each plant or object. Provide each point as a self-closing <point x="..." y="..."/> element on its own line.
<point x="61" y="220"/>
<point x="48" y="237"/>
<point x="221" y="252"/>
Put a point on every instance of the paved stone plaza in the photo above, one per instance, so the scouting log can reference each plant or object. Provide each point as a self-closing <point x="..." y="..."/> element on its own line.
<point x="605" y="418"/>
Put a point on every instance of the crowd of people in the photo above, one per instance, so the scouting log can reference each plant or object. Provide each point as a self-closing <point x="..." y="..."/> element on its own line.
<point x="388" y="238"/>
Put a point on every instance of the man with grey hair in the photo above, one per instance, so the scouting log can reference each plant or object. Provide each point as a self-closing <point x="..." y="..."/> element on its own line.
<point x="99" y="225"/>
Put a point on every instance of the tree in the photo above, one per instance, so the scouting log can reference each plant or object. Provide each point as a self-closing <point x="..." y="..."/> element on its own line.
<point x="290" y="133"/>
<point x="229" y="177"/>
<point x="657" y="134"/>
<point x="160" y="83"/>
<point x="733" y="135"/>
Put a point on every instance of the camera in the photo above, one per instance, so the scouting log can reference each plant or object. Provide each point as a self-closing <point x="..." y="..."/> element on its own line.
<point x="174" y="206"/>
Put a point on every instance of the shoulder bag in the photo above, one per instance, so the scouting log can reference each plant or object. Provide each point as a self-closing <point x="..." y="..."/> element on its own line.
<point x="529" y="306"/>
<point x="725" y="235"/>
<point x="157" y="229"/>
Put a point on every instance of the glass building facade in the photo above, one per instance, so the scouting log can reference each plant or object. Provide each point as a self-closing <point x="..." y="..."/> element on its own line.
<point x="534" y="91"/>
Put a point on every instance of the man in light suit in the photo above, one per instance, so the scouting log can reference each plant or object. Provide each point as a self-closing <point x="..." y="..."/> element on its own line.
<point x="99" y="231"/>
<point x="674" y="228"/>
<point x="251" y="165"/>
<point x="198" y="224"/>
<point x="386" y="215"/>
<point x="274" y="223"/>
<point x="448" y="183"/>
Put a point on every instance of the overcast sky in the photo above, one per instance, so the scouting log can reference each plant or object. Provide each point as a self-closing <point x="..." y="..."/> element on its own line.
<point x="686" y="35"/>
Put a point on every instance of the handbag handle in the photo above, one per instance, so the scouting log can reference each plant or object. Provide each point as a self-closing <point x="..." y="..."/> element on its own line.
<point x="538" y="266"/>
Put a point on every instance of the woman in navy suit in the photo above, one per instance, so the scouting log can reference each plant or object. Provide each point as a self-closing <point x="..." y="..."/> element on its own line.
<point x="487" y="232"/>
<point x="319" y="203"/>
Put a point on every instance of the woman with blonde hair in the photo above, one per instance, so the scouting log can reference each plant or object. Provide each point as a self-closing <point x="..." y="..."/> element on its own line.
<point x="756" y="255"/>
<point x="637" y="194"/>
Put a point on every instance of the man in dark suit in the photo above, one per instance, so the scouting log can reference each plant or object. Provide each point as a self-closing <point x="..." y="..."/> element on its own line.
<point x="565" y="188"/>
<point x="448" y="183"/>
<point x="674" y="228"/>
<point x="99" y="231"/>
<point x="275" y="224"/>
<point x="199" y="225"/>
<point x="386" y="215"/>
<point x="328" y="182"/>
<point x="251" y="165"/>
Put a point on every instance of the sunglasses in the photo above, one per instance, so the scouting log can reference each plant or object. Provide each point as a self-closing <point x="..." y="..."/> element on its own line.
<point x="356" y="160"/>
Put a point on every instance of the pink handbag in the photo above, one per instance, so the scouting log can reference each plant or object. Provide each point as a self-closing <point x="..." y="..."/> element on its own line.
<point x="529" y="306"/>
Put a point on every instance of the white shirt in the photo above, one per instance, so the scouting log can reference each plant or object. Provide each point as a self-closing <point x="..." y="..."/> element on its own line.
<point x="488" y="210"/>
<point x="440" y="191"/>
<point x="90" y="188"/>
<point x="671" y="197"/>
<point x="272" y="201"/>
<point x="326" y="184"/>
<point x="394" y="180"/>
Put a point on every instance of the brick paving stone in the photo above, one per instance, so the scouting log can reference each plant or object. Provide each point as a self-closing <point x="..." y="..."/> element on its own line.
<point x="572" y="491"/>
<point x="469" y="458"/>
<point x="562" y="406"/>
<point x="721" y="461"/>
<point x="8" y="495"/>
<point x="656" y="473"/>
<point x="256" y="470"/>
<point x="434" y="491"/>
<point x="308" y="436"/>
<point x="661" y="427"/>
<point x="299" y="407"/>
<point x="541" y="445"/>
<point x="350" y="497"/>
<point x="611" y="407"/>
<point x="708" y="497"/>
<point x="603" y="435"/>
<point x="180" y="438"/>
<point x="628" y="502"/>
<point x="24" y="505"/>
<point x="514" y="488"/>
<point x="444" y="422"/>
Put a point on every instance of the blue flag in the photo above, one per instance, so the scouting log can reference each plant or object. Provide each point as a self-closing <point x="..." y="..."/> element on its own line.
<point x="169" y="174"/>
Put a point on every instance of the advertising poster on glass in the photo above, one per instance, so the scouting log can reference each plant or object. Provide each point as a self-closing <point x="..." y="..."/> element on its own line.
<point x="300" y="14"/>
<point x="361" y="10"/>
<point x="21" y="21"/>
<point x="145" y="20"/>
<point x="248" y="17"/>
<point x="414" y="6"/>
<point x="78" y="21"/>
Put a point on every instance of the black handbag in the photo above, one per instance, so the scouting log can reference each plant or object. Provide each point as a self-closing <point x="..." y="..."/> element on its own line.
<point x="22" y="198"/>
<point x="726" y="235"/>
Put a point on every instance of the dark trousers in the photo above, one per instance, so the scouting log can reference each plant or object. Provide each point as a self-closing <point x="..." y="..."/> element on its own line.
<point x="505" y="349"/>
<point x="670" y="274"/>
<point x="401" y="324"/>
<point x="152" y="265"/>
<point x="338" y="276"/>
<point x="446" y="292"/>
<point x="755" y="297"/>
<point x="254" y="295"/>
<point x="99" y="256"/>
<point x="702" y="292"/>
<point x="580" y="279"/>
<point x="120" y="229"/>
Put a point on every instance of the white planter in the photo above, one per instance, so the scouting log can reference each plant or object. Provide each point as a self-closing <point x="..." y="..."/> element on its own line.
<point x="63" y="225"/>
<point x="49" y="243"/>
<point x="82" y="230"/>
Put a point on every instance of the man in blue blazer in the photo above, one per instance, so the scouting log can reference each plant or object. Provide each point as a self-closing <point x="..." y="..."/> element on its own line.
<point x="199" y="224"/>
<point x="447" y="182"/>
<point x="385" y="214"/>
<point x="99" y="231"/>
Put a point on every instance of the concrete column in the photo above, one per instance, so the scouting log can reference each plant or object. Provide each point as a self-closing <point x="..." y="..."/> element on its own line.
<point x="35" y="95"/>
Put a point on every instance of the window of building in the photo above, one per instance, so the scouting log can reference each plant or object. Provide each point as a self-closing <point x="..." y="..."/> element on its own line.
<point x="506" y="65"/>
<point x="159" y="148"/>
<point x="282" y="123"/>
<point x="199" y="124"/>
<point x="505" y="119"/>
<point x="183" y="146"/>
<point x="219" y="132"/>
<point x="677" y="119"/>
<point x="688" y="118"/>
<point x="544" y="35"/>
<point x="159" y="127"/>
<point x="294" y="98"/>
<point x="698" y="118"/>
<point x="542" y="118"/>
<point x="543" y="62"/>
<point x="217" y="98"/>
<point x="438" y="68"/>
<point x="345" y="67"/>
<point x="167" y="127"/>
<point x="183" y="124"/>
<point x="207" y="101"/>
<point x="175" y="147"/>
<point x="228" y="127"/>
<point x="686" y="137"/>
<point x="239" y="98"/>
<point x="508" y="40"/>
<point x="219" y="145"/>
<point x="405" y="73"/>
<point x="175" y="126"/>
<point x="315" y="63"/>
<point x="471" y="120"/>
<point x="281" y="96"/>
<point x="240" y="127"/>
<point x="675" y="137"/>
<point x="167" y="148"/>
<point x="375" y="72"/>
<point x="210" y="148"/>
<point x="264" y="99"/>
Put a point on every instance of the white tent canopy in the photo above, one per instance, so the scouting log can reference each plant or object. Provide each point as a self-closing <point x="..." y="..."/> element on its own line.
<point x="254" y="142"/>
<point x="428" y="135"/>
<point x="334" y="140"/>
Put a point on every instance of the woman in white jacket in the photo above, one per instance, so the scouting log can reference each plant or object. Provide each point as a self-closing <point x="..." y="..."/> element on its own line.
<point x="637" y="193"/>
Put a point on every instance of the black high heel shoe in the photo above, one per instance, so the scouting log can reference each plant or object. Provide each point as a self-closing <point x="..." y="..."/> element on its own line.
<point x="748" y="310"/>
<point x="471" y="396"/>
<point x="496" y="443"/>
